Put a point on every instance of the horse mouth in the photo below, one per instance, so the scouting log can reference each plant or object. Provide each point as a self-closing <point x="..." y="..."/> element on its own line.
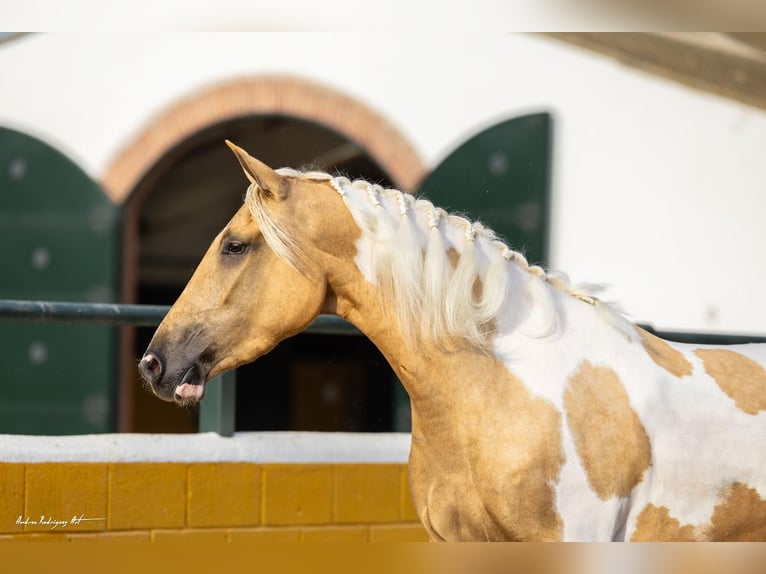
<point x="191" y="389"/>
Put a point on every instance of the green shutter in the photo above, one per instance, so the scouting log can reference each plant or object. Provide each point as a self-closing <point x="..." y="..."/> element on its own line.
<point x="59" y="240"/>
<point x="501" y="177"/>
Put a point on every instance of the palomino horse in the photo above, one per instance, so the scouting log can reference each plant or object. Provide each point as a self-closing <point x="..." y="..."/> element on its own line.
<point x="538" y="412"/>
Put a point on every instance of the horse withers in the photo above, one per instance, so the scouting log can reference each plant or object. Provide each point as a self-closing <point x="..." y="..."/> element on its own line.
<point x="538" y="411"/>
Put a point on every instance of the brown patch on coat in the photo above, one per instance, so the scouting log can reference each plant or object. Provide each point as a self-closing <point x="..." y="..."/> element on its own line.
<point x="609" y="436"/>
<point x="532" y="484"/>
<point x="655" y="524"/>
<point x="666" y="356"/>
<point x="740" y="377"/>
<point x="477" y="291"/>
<point x="454" y="258"/>
<point x="739" y="517"/>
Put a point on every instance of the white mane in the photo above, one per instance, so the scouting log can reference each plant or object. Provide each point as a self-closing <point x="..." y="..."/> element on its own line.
<point x="446" y="276"/>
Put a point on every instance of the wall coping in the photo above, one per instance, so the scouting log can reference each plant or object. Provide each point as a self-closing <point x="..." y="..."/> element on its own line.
<point x="246" y="447"/>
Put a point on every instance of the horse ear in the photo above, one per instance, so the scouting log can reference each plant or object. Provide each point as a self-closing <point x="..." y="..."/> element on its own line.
<point x="271" y="184"/>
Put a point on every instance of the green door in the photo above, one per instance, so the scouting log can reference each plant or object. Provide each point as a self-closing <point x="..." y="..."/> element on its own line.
<point x="501" y="177"/>
<point x="59" y="237"/>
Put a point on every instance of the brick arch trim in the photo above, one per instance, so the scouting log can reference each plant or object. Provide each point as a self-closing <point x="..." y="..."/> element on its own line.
<point x="264" y="95"/>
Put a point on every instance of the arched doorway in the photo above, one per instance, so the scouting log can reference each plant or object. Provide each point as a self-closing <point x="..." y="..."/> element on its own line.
<point x="307" y="383"/>
<point x="186" y="193"/>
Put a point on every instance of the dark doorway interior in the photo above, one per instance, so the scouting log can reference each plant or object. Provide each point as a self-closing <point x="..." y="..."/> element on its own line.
<point x="309" y="382"/>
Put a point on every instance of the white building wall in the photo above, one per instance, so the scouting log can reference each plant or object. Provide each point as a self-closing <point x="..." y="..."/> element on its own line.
<point x="659" y="190"/>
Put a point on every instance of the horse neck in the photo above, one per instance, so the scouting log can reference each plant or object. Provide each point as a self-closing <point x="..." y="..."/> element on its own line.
<point x="423" y="365"/>
<point x="535" y="316"/>
<point x="357" y="301"/>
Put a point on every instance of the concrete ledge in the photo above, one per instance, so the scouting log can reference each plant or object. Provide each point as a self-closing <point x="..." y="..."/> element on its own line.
<point x="252" y="447"/>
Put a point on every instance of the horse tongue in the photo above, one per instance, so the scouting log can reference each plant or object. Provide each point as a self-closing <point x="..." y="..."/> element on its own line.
<point x="187" y="391"/>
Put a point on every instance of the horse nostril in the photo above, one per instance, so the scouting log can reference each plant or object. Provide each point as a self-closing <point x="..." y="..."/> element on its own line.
<point x="150" y="368"/>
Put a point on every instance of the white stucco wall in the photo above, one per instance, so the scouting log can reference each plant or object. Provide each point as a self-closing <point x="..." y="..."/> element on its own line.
<point x="659" y="190"/>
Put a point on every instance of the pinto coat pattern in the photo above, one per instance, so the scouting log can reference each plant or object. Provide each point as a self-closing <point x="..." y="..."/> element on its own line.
<point x="539" y="412"/>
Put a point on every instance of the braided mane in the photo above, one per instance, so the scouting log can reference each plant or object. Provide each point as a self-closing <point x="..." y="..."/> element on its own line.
<point x="446" y="276"/>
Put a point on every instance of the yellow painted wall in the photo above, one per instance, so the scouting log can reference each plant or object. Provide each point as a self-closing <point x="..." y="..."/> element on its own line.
<point x="207" y="501"/>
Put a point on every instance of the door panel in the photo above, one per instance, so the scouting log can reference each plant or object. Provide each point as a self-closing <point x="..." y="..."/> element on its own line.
<point x="59" y="239"/>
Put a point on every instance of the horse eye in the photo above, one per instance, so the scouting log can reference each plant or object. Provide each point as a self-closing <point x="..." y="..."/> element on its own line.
<point x="235" y="248"/>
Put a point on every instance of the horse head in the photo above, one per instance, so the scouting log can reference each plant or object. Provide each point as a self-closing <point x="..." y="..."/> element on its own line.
<point x="256" y="285"/>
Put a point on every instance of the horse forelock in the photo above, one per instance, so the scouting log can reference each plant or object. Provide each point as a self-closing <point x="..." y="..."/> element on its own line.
<point x="276" y="236"/>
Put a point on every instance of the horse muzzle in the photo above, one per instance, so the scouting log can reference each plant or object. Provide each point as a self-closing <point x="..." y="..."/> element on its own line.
<point x="183" y="384"/>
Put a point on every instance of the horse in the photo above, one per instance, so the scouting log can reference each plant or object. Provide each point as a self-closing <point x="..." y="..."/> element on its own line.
<point x="539" y="411"/>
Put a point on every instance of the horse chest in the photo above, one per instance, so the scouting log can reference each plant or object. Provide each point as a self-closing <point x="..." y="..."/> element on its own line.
<point x="470" y="493"/>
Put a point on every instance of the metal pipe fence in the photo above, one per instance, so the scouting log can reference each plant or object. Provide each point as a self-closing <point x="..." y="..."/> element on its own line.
<point x="122" y="314"/>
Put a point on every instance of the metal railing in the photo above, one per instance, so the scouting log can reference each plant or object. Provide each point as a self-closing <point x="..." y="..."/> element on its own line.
<point x="217" y="409"/>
